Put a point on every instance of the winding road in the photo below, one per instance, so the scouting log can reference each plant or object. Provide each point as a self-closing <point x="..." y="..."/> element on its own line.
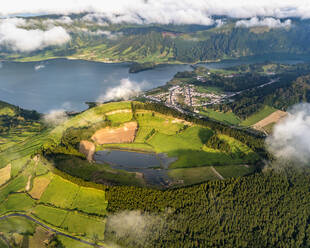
<point x="50" y="228"/>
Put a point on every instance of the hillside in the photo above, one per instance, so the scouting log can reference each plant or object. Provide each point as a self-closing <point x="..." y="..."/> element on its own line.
<point x="44" y="178"/>
<point x="155" y="133"/>
<point x="156" y="43"/>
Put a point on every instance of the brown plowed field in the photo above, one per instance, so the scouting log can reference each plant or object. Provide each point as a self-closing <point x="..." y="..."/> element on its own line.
<point x="5" y="174"/>
<point x="272" y="118"/>
<point x="124" y="134"/>
<point x="39" y="186"/>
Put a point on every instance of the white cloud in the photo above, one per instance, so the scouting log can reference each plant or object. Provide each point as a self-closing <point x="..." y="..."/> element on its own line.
<point x="15" y="37"/>
<point x="290" y="140"/>
<point x="268" y="21"/>
<point x="55" y="117"/>
<point x="125" y="90"/>
<point x="164" y="11"/>
<point x="135" y="225"/>
<point x="106" y="33"/>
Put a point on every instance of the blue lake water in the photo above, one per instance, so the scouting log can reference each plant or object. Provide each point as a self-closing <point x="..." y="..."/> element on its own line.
<point x="68" y="84"/>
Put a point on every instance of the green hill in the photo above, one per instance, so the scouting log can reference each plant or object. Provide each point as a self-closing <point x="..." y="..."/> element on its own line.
<point x="169" y="43"/>
<point x="36" y="183"/>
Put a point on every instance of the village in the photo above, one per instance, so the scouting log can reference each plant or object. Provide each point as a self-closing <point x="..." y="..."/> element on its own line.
<point x="187" y="96"/>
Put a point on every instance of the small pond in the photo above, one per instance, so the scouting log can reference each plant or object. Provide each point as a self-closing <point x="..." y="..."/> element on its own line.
<point x="153" y="166"/>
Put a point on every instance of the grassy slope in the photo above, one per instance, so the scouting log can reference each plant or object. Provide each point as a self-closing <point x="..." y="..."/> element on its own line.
<point x="228" y="117"/>
<point x="263" y="113"/>
<point x="23" y="166"/>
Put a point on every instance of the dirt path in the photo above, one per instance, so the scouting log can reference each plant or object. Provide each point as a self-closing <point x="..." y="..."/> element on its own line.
<point x="216" y="172"/>
<point x="28" y="183"/>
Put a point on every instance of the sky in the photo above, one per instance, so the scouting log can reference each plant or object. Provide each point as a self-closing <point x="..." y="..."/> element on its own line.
<point x="164" y="11"/>
<point x="15" y="36"/>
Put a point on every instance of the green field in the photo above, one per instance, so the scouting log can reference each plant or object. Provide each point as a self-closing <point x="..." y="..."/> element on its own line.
<point x="120" y="117"/>
<point x="193" y="175"/>
<point x="263" y="113"/>
<point x="51" y="215"/>
<point x="16" y="203"/>
<point x="228" y="117"/>
<point x="17" y="225"/>
<point x="91" y="200"/>
<point x="14" y="185"/>
<point x="84" y="225"/>
<point x="228" y="171"/>
<point x="67" y="242"/>
<point x="67" y="193"/>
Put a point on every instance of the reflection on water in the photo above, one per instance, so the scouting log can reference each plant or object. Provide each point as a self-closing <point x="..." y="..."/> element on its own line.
<point x="153" y="166"/>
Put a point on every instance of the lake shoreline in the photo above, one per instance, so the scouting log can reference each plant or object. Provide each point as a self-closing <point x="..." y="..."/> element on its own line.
<point x="277" y="56"/>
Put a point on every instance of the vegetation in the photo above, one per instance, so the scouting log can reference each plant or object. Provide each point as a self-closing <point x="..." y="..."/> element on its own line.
<point x="263" y="113"/>
<point x="212" y="213"/>
<point x="226" y="117"/>
<point x="155" y="43"/>
<point x="231" y="213"/>
<point x="136" y="67"/>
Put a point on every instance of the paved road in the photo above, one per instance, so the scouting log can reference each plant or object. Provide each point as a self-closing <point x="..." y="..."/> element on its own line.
<point x="50" y="228"/>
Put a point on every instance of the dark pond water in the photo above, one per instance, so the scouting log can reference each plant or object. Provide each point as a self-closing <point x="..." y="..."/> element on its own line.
<point x="153" y="166"/>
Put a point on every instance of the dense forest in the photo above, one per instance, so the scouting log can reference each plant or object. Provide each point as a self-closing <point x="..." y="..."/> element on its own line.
<point x="287" y="92"/>
<point x="262" y="210"/>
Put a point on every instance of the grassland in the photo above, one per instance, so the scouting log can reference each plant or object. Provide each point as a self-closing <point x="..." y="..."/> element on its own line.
<point x="91" y="200"/>
<point x="190" y="176"/>
<point x="51" y="215"/>
<point x="228" y="171"/>
<point x="16" y="203"/>
<point x="84" y="225"/>
<point x="263" y="113"/>
<point x="228" y="117"/>
<point x="67" y="193"/>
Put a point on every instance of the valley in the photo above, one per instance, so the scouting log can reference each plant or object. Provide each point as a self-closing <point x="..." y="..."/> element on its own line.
<point x="154" y="124"/>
